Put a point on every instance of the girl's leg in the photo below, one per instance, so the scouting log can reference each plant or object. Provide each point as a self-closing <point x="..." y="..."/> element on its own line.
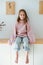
<point x="26" y="57"/>
<point x="26" y="48"/>
<point x="17" y="48"/>
<point x="16" y="60"/>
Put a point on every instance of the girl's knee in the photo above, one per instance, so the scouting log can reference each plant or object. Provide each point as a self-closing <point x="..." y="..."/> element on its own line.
<point x="25" y="40"/>
<point x="18" y="40"/>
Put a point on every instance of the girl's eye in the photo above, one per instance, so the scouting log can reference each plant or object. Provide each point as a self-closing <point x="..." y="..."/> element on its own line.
<point x="21" y="14"/>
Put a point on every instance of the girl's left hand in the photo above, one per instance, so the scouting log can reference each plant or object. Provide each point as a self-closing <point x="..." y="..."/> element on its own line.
<point x="9" y="42"/>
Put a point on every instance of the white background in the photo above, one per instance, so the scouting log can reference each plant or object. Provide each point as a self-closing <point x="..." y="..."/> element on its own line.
<point x="7" y="54"/>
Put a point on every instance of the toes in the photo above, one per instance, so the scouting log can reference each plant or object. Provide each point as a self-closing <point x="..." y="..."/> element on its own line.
<point x="27" y="61"/>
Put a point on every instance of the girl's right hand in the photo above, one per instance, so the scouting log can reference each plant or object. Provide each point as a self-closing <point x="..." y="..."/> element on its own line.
<point x="9" y="42"/>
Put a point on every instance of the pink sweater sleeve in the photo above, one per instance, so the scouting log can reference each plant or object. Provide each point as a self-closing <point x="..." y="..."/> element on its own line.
<point x="30" y="33"/>
<point x="13" y="36"/>
<point x="15" y="30"/>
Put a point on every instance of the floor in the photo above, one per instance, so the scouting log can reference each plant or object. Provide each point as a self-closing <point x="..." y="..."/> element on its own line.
<point x="7" y="55"/>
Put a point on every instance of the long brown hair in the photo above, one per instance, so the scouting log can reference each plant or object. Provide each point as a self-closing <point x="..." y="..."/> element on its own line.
<point x="26" y="17"/>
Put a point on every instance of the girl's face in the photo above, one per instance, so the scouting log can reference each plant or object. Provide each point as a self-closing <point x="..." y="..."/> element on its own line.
<point x="22" y="15"/>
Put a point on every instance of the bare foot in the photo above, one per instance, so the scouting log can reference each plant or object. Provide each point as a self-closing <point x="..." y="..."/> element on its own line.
<point x="16" y="61"/>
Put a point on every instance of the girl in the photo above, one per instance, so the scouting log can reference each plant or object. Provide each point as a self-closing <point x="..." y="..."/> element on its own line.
<point x="22" y="32"/>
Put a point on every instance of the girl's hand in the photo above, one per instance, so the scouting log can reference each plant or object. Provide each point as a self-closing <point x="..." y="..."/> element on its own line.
<point x="32" y="42"/>
<point x="9" y="42"/>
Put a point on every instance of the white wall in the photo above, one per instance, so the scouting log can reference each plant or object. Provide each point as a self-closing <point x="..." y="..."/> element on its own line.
<point x="32" y="8"/>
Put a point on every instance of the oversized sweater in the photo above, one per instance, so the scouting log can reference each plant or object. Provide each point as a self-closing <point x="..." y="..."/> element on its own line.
<point x="23" y="29"/>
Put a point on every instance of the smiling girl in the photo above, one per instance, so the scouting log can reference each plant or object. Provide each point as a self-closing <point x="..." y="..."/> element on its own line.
<point x="22" y="33"/>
